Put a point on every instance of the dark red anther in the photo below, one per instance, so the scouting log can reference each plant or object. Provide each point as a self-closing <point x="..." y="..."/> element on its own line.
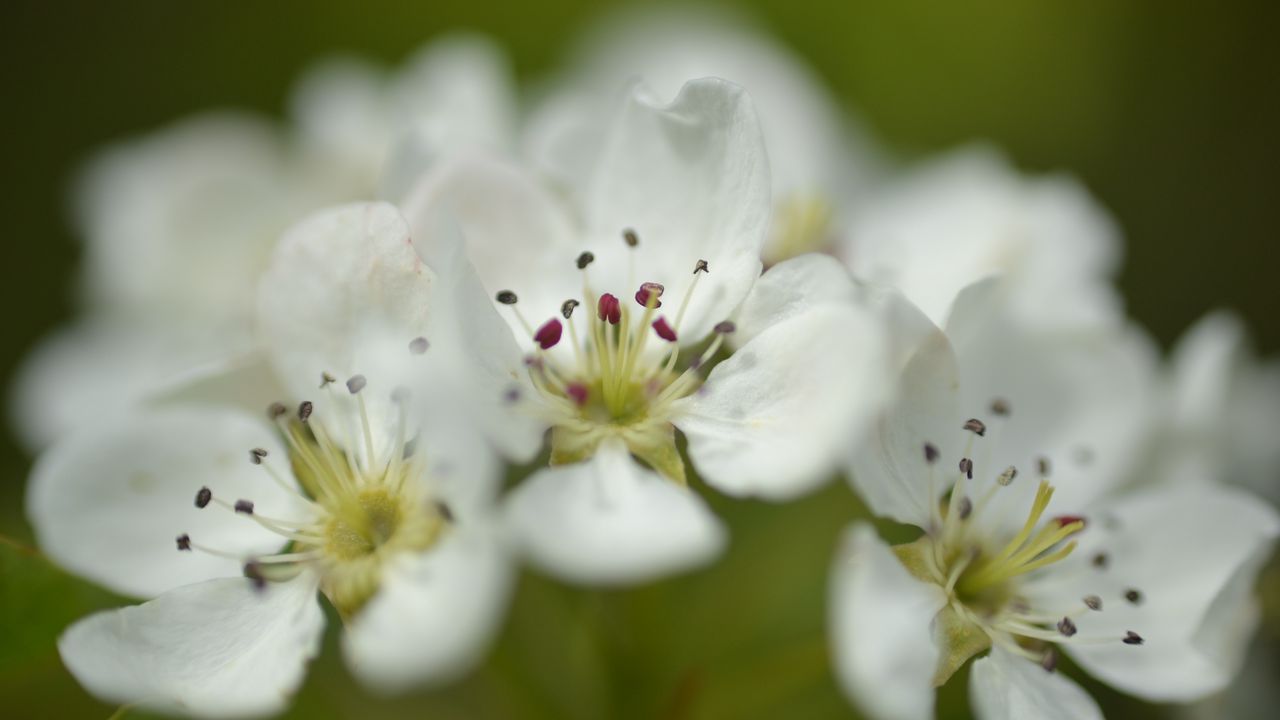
<point x="1065" y="520"/>
<point x="664" y="330"/>
<point x="650" y="292"/>
<point x="609" y="309"/>
<point x="549" y="334"/>
<point x="577" y="392"/>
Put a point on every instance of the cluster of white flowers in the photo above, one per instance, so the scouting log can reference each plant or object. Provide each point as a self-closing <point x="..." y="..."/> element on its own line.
<point x="682" y="260"/>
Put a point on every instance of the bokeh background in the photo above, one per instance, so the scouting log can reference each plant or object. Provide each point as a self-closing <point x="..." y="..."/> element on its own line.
<point x="1169" y="112"/>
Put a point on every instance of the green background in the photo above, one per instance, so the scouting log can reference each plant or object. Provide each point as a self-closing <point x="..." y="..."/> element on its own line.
<point x="1168" y="111"/>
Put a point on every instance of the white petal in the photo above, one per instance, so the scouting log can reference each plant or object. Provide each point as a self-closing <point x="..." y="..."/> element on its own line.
<point x="1003" y="686"/>
<point x="882" y="629"/>
<point x="1080" y="397"/>
<point x="776" y="418"/>
<point x="215" y="649"/>
<point x="435" y="614"/>
<point x="969" y="216"/>
<point x="610" y="521"/>
<point x="109" y="502"/>
<point x="455" y="94"/>
<point x="528" y="246"/>
<point x="791" y="288"/>
<point x="691" y="178"/>
<point x="890" y="471"/>
<point x="1193" y="553"/>
<point x="180" y="223"/>
<point x="345" y="295"/>
<point x="101" y="368"/>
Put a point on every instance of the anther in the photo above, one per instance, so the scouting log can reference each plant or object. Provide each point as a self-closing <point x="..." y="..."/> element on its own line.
<point x="506" y="297"/>
<point x="1132" y="638"/>
<point x="664" y="330"/>
<point x="1000" y="407"/>
<point x="585" y="259"/>
<point x="930" y="453"/>
<point x="549" y="334"/>
<point x="418" y="345"/>
<point x="966" y="467"/>
<point x="1101" y="560"/>
<point x="244" y="506"/>
<point x="975" y="426"/>
<point x="326" y="379"/>
<point x="630" y="237"/>
<point x="1006" y="478"/>
<point x="725" y="327"/>
<point x="356" y="384"/>
<point x="1093" y="602"/>
<point x="577" y="392"/>
<point x="1042" y="464"/>
<point x="203" y="496"/>
<point x="965" y="507"/>
<point x="1067" y="627"/>
<point x="253" y="571"/>
<point x="567" y="308"/>
<point x="1065" y="520"/>
<point x="446" y="512"/>
<point x="650" y="291"/>
<point x="305" y="408"/>
<point x="1133" y="596"/>
<point x="701" y="267"/>
<point x="1049" y="661"/>
<point x="276" y="410"/>
<point x="512" y="395"/>
<point x="256" y="455"/>
<point x="184" y="542"/>
<point x="609" y="309"/>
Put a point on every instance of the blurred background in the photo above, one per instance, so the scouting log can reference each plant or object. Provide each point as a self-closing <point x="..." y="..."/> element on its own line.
<point x="1168" y="112"/>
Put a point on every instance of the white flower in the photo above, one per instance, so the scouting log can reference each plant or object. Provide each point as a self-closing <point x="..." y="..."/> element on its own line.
<point x="818" y="157"/>
<point x="624" y="299"/>
<point x="178" y="225"/>
<point x="364" y="493"/>
<point x="968" y="216"/>
<point x="1005" y="447"/>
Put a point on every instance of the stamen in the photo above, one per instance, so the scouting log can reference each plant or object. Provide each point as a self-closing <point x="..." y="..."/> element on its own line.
<point x="257" y="455"/>
<point x="356" y="383"/>
<point x="975" y="426"/>
<point x="648" y="294"/>
<point x="567" y="308"/>
<point x="1000" y="407"/>
<point x="931" y="453"/>
<point x="1100" y="561"/>
<point x="1132" y="638"/>
<point x="701" y="267"/>
<point x="630" y="237"/>
<point x="1042" y="464"/>
<point x="276" y="410"/>
<point x="184" y="542"/>
<point x="244" y="506"/>
<point x="445" y="511"/>
<point x="305" y="409"/>
<point x="966" y="467"/>
<point x="1049" y="661"/>
<point x="549" y="334"/>
<point x="418" y="345"/>
<point x="965" y="508"/>
<point x="609" y="309"/>
<point x="1067" y="627"/>
<point x="585" y="259"/>
<point x="326" y="380"/>
<point x="253" y="571"/>
<point x="203" y="496"/>
<point x="1093" y="602"/>
<point x="725" y="327"/>
<point x="1133" y="596"/>
<point x="506" y="297"/>
<point x="1006" y="478"/>
<point x="578" y="393"/>
<point x="664" y="330"/>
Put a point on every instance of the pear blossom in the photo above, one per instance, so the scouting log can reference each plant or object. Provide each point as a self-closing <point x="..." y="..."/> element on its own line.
<point x="178" y="225"/>
<point x="968" y="215"/>
<point x="233" y="521"/>
<point x="1007" y="446"/>
<point x="820" y="158"/>
<point x="624" y="300"/>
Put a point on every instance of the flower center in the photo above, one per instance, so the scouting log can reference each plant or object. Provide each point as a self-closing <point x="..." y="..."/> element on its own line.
<point x="361" y="509"/>
<point x="982" y="569"/>
<point x="624" y="374"/>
